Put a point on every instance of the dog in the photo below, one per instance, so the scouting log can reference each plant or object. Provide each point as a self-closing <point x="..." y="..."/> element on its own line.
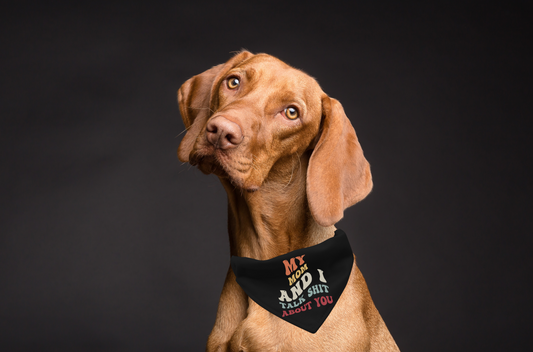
<point x="290" y="162"/>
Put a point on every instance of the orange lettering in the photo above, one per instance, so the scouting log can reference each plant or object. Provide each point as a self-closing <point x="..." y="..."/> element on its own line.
<point x="301" y="259"/>
<point x="289" y="266"/>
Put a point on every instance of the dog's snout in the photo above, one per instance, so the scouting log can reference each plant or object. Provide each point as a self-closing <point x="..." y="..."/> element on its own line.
<point x="223" y="133"/>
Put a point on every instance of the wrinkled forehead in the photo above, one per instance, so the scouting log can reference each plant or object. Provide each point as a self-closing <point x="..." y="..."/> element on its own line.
<point x="268" y="71"/>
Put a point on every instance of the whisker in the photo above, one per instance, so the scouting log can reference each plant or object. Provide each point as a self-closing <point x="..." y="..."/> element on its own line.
<point x="292" y="173"/>
<point x="193" y="108"/>
<point x="256" y="169"/>
<point x="186" y="128"/>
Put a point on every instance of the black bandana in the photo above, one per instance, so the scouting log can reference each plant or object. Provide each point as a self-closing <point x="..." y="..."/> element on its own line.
<point x="302" y="286"/>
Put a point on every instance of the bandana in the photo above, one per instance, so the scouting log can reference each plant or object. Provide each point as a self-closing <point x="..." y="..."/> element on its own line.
<point x="302" y="286"/>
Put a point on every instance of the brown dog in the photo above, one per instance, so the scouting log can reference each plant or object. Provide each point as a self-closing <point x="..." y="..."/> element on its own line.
<point x="290" y="162"/>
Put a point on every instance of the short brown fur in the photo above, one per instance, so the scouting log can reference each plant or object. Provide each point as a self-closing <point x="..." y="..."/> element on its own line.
<point x="288" y="182"/>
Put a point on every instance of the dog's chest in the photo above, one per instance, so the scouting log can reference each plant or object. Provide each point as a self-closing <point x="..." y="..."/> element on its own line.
<point x="262" y="331"/>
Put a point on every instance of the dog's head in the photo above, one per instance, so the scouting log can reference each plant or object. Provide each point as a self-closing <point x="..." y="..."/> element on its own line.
<point x="247" y="119"/>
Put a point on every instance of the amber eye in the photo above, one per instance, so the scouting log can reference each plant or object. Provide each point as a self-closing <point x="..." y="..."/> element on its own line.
<point x="233" y="82"/>
<point x="291" y="113"/>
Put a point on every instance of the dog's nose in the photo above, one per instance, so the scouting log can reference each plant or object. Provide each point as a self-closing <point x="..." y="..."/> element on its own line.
<point x="223" y="134"/>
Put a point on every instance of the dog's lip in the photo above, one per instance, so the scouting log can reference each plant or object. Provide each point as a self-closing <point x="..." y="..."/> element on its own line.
<point x="218" y="162"/>
<point x="252" y="189"/>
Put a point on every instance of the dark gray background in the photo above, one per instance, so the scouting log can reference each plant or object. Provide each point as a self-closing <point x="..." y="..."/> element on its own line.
<point x="108" y="243"/>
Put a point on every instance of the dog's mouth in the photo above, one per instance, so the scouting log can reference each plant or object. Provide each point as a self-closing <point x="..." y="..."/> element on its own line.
<point x="236" y="169"/>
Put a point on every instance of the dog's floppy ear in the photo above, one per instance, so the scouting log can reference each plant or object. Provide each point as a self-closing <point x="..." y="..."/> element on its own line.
<point x="338" y="175"/>
<point x="194" y="99"/>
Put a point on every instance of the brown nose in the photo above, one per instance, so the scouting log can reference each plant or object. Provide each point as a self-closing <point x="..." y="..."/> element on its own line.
<point x="223" y="134"/>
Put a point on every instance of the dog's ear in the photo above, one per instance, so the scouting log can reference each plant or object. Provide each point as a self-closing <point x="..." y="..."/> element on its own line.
<point x="338" y="175"/>
<point x="194" y="99"/>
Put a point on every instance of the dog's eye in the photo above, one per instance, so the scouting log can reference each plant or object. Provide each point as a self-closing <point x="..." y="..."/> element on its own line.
<point x="233" y="82"/>
<point x="291" y="113"/>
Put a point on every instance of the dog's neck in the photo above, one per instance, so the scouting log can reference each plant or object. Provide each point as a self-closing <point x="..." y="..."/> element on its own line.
<point x="275" y="219"/>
